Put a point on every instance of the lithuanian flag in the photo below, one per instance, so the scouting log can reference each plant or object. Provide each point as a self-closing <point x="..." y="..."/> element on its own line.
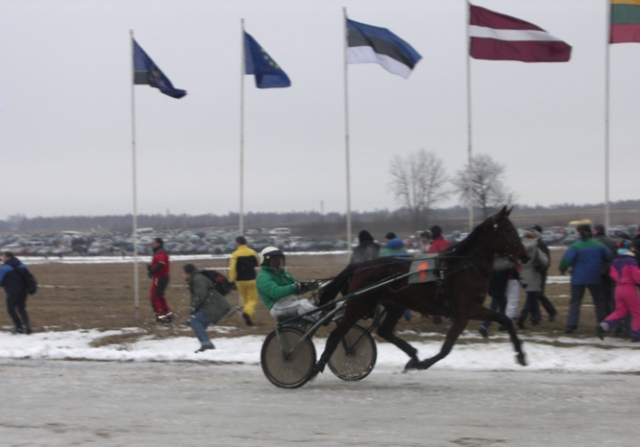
<point x="625" y="21"/>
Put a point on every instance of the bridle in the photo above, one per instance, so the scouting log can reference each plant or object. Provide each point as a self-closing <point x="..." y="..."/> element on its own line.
<point x="510" y="248"/>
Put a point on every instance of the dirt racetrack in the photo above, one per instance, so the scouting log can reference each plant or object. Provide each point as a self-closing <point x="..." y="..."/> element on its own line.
<point x="61" y="403"/>
<point x="100" y="296"/>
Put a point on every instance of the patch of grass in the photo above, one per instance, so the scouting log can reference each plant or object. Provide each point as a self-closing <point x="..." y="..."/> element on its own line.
<point x="117" y="339"/>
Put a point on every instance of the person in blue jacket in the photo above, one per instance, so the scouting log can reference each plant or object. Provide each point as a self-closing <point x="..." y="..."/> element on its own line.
<point x="393" y="247"/>
<point x="585" y="257"/>
<point x="13" y="283"/>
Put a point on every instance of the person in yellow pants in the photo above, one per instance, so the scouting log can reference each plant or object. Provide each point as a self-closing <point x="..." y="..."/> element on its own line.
<point x="242" y="272"/>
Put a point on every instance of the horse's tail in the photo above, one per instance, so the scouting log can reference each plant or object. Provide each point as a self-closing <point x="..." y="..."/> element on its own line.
<point x="331" y="289"/>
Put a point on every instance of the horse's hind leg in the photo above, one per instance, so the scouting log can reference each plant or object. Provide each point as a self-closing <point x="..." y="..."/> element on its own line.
<point x="386" y="328"/>
<point x="488" y="315"/>
<point x="454" y="332"/>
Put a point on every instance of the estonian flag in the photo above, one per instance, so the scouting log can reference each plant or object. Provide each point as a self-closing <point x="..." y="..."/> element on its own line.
<point x="145" y="71"/>
<point x="257" y="62"/>
<point x="380" y="46"/>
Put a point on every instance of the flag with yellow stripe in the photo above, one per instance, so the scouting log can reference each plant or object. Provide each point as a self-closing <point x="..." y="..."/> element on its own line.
<point x="625" y="21"/>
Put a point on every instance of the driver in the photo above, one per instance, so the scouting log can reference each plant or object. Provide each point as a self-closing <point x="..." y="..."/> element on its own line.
<point x="278" y="289"/>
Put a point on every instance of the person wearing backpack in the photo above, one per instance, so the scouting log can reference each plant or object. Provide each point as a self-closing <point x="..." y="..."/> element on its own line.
<point x="14" y="285"/>
<point x="208" y="306"/>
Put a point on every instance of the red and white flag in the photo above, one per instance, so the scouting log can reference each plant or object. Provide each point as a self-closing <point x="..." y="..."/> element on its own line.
<point x="499" y="37"/>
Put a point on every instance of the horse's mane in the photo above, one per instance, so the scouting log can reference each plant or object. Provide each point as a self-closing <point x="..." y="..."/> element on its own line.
<point x="463" y="247"/>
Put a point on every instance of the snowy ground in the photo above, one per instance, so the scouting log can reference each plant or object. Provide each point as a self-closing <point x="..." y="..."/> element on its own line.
<point x="146" y="259"/>
<point x="58" y="390"/>
<point x="496" y="354"/>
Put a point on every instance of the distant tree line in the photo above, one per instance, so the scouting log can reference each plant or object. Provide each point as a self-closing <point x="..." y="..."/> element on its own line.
<point x="317" y="225"/>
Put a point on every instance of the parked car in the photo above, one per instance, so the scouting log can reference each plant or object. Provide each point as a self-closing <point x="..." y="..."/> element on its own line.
<point x="280" y="231"/>
<point x="96" y="249"/>
<point x="298" y="243"/>
<point x="570" y="239"/>
<point x="551" y="237"/>
<point x="61" y="251"/>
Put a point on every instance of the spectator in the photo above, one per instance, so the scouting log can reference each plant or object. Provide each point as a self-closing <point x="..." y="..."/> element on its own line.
<point x="637" y="235"/>
<point x="393" y="247"/>
<point x="542" y="298"/>
<point x="278" y="289"/>
<point x="425" y="241"/>
<point x="158" y="271"/>
<point x="438" y="242"/>
<point x="207" y="305"/>
<point x="585" y="257"/>
<point x="513" y="293"/>
<point x="531" y="273"/>
<point x="13" y="283"/>
<point x="608" y="284"/>
<point x="366" y="250"/>
<point x="242" y="271"/>
<point x="625" y="272"/>
<point x="502" y="270"/>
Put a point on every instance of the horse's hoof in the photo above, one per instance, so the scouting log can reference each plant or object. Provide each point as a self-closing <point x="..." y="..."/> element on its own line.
<point x="521" y="359"/>
<point x="413" y="363"/>
<point x="317" y="369"/>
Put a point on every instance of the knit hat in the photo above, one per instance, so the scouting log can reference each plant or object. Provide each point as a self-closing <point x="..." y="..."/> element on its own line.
<point x="584" y="230"/>
<point x="390" y="235"/>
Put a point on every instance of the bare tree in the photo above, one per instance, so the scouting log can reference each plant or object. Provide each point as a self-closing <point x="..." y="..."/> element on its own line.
<point x="488" y="191"/>
<point x="419" y="181"/>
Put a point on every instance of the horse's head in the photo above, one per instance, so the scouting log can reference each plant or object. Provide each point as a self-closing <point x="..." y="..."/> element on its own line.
<point x="506" y="241"/>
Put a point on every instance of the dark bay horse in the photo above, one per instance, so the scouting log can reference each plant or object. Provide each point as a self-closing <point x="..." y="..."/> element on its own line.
<point x="459" y="296"/>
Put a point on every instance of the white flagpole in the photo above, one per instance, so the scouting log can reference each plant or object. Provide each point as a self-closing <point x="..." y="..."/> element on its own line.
<point x="346" y="129"/>
<point x="136" y="291"/>
<point x="242" y="75"/>
<point x="469" y="141"/>
<point x="606" y="122"/>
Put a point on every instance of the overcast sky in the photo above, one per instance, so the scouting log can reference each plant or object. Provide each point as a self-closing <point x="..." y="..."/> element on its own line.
<point x="65" y="106"/>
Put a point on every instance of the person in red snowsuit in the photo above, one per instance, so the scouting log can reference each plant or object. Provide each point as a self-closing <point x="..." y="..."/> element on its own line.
<point x="625" y="272"/>
<point x="159" y="274"/>
<point x="438" y="242"/>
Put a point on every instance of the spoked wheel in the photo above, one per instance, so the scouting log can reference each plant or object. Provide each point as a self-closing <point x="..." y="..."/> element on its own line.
<point x="355" y="356"/>
<point x="285" y="362"/>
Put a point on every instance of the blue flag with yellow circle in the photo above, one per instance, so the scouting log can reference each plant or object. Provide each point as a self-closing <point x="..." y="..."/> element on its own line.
<point x="257" y="62"/>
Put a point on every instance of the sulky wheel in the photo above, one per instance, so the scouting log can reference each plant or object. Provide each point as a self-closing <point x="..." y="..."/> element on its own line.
<point x="285" y="364"/>
<point x="355" y="356"/>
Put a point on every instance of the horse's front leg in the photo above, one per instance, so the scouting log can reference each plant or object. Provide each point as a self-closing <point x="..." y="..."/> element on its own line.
<point x="454" y="332"/>
<point x="354" y="311"/>
<point x="485" y="314"/>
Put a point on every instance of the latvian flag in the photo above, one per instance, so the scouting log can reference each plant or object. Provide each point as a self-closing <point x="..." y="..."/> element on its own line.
<point x="499" y="37"/>
<point x="625" y="21"/>
<point x="368" y="43"/>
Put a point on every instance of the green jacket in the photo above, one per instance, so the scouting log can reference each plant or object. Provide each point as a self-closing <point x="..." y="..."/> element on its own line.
<point x="206" y="299"/>
<point x="274" y="286"/>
